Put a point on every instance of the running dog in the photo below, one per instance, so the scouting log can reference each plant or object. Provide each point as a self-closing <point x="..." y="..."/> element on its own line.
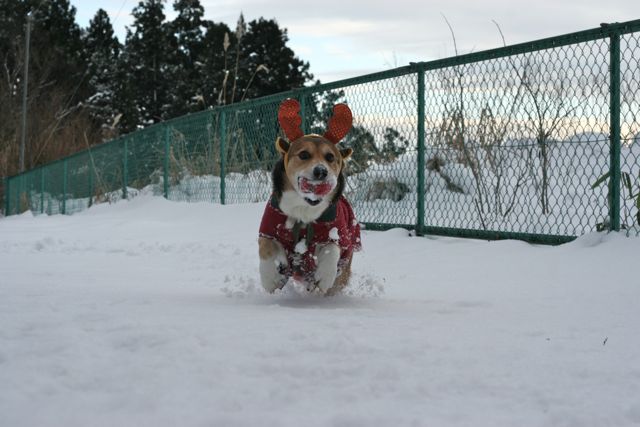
<point x="308" y="231"/>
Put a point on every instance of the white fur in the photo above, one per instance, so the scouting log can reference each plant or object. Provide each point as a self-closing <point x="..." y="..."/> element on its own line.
<point x="269" y="276"/>
<point x="294" y="206"/>
<point x="327" y="260"/>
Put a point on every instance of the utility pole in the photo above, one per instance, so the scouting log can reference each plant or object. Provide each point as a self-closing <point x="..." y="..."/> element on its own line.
<point x="25" y="91"/>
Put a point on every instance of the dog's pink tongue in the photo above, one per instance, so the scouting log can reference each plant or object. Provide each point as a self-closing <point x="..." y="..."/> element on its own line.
<point x="317" y="189"/>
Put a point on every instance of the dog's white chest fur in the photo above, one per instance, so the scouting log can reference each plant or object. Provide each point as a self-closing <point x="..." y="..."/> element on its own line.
<point x="297" y="209"/>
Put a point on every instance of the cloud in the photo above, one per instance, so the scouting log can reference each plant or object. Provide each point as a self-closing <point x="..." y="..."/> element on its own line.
<point x="337" y="50"/>
<point x="301" y="49"/>
<point x="315" y="27"/>
<point x="365" y="34"/>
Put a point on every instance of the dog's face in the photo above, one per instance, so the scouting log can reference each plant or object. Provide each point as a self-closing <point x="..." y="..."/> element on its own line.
<point x="313" y="167"/>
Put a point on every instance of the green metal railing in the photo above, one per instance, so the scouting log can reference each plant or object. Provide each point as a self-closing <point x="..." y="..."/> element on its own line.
<point x="537" y="141"/>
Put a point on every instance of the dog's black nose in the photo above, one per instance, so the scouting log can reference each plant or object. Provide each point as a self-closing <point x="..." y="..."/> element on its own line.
<point x="320" y="172"/>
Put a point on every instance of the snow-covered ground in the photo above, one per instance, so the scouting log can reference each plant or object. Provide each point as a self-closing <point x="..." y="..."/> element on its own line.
<point x="149" y="313"/>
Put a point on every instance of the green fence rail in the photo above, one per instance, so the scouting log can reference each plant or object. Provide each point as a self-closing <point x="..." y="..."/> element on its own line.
<point x="538" y="141"/>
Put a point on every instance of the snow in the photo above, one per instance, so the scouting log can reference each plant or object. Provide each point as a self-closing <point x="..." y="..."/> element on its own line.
<point x="301" y="247"/>
<point x="333" y="234"/>
<point x="150" y="313"/>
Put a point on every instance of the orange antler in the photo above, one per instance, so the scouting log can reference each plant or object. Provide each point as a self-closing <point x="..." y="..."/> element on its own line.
<point x="290" y="120"/>
<point x="339" y="124"/>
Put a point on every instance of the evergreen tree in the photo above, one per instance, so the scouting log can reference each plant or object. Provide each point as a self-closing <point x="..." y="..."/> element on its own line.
<point x="148" y="61"/>
<point x="102" y="50"/>
<point x="215" y="57"/>
<point x="80" y="80"/>
<point x="58" y="18"/>
<point x="188" y="36"/>
<point x="56" y="46"/>
<point x="12" y="20"/>
<point x="261" y="63"/>
<point x="269" y="66"/>
<point x="125" y="104"/>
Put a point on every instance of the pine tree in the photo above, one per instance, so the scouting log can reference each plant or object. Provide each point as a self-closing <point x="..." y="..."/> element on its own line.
<point x="215" y="53"/>
<point x="148" y="60"/>
<point x="268" y="65"/>
<point x="258" y="62"/>
<point x="188" y="62"/>
<point x="125" y="104"/>
<point x="102" y="51"/>
<point x="56" y="46"/>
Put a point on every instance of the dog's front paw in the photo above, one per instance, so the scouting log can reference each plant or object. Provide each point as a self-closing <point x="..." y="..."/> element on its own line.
<point x="270" y="275"/>
<point x="327" y="266"/>
<point x="272" y="263"/>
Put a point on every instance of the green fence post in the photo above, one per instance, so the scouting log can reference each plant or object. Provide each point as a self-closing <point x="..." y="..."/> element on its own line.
<point x="223" y="137"/>
<point x="125" y="168"/>
<point x="167" y="146"/>
<point x="7" y="197"/>
<point x="64" y="186"/>
<point x="303" y="110"/>
<point x="421" y="150"/>
<point x="614" y="134"/>
<point x="91" y="172"/>
<point x="42" y="190"/>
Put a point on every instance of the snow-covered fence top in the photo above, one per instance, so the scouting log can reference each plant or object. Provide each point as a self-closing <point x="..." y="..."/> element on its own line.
<point x="537" y="141"/>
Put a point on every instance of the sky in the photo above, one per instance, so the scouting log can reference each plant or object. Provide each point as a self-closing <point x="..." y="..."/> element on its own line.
<point x="343" y="39"/>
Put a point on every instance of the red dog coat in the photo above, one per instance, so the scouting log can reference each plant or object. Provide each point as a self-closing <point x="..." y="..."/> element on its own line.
<point x="337" y="224"/>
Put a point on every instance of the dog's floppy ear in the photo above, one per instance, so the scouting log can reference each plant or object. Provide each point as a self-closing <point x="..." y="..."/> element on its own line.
<point x="346" y="153"/>
<point x="339" y="124"/>
<point x="282" y="146"/>
<point x="289" y="119"/>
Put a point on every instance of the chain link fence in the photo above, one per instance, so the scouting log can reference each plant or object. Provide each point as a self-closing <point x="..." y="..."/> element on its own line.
<point x="538" y="141"/>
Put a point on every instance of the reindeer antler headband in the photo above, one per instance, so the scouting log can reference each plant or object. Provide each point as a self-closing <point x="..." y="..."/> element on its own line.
<point x="290" y="121"/>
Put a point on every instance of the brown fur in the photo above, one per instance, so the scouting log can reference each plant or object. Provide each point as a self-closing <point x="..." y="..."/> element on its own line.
<point x="266" y="248"/>
<point x="343" y="279"/>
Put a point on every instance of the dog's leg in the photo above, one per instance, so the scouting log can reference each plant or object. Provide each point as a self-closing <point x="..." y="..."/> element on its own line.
<point x="272" y="255"/>
<point x="327" y="257"/>
<point x="343" y="279"/>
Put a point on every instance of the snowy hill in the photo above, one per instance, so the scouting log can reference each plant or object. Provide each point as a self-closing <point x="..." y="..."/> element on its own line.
<point x="149" y="313"/>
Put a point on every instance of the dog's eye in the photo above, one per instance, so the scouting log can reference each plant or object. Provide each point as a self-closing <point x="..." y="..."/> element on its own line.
<point x="304" y="155"/>
<point x="330" y="157"/>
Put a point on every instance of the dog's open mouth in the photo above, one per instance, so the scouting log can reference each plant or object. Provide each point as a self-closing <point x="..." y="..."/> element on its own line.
<point x="314" y="191"/>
